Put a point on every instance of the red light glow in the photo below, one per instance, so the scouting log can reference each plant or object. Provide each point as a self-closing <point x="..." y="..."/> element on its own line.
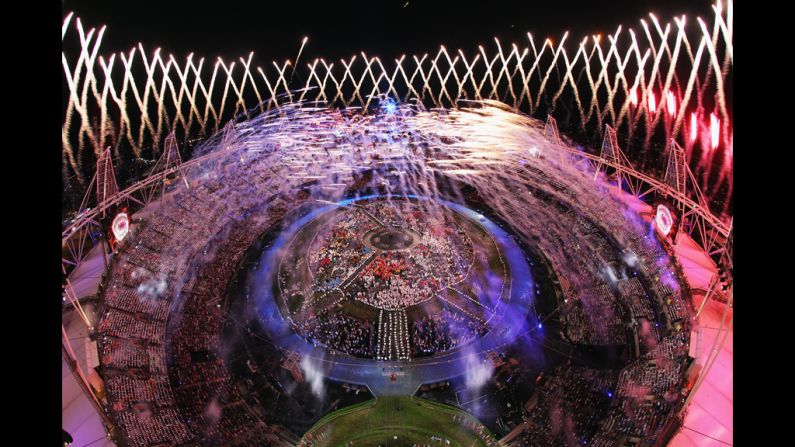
<point x="120" y="226"/>
<point x="714" y="128"/>
<point x="652" y="103"/>
<point x="671" y="103"/>
<point x="664" y="220"/>
<point x="633" y="97"/>
<point x="693" y="127"/>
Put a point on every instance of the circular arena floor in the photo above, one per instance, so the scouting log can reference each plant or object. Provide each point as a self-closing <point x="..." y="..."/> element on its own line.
<point x="501" y="312"/>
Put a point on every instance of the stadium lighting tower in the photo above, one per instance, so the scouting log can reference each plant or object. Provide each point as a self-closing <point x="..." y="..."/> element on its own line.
<point x="104" y="182"/>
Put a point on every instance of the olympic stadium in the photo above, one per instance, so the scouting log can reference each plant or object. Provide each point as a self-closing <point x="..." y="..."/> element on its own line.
<point x="418" y="251"/>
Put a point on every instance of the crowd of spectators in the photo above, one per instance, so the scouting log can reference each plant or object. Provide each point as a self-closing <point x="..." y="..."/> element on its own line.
<point x="161" y="306"/>
<point x="137" y="326"/>
<point x="436" y="261"/>
<point x="144" y="426"/>
<point x="602" y="407"/>
<point x="567" y="407"/>
<point x="444" y="331"/>
<point x="595" y="319"/>
<point x="648" y="391"/>
<point x="337" y="250"/>
<point x="341" y="332"/>
<point x="392" y="280"/>
<point x="211" y="403"/>
<point x="635" y="299"/>
<point x="613" y="279"/>
<point x="130" y="389"/>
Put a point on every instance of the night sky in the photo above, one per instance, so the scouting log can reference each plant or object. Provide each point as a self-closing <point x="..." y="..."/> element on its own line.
<point x="337" y="29"/>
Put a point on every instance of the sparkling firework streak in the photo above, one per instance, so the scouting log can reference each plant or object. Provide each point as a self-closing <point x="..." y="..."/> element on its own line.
<point x="195" y="100"/>
<point x="652" y="103"/>
<point x="670" y="102"/>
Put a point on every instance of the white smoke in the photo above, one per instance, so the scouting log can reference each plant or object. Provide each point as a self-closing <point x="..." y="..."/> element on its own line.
<point x="609" y="274"/>
<point x="630" y="258"/>
<point x="478" y="371"/>
<point x="151" y="287"/>
<point x="213" y="412"/>
<point x="314" y="375"/>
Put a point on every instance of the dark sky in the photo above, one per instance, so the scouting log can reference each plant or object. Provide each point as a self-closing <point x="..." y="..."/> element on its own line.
<point x="384" y="28"/>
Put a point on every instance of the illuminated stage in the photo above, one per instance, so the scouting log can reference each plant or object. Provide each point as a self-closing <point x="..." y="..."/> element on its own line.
<point x="483" y="275"/>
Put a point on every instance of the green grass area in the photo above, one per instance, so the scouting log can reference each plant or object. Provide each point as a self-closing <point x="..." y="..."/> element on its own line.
<point x="398" y="421"/>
